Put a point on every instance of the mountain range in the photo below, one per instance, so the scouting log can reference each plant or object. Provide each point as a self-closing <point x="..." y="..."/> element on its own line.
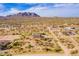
<point x="21" y="14"/>
<point x="29" y="14"/>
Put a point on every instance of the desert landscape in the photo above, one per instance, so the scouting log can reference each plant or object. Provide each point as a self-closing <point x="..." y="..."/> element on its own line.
<point x="39" y="29"/>
<point x="22" y="35"/>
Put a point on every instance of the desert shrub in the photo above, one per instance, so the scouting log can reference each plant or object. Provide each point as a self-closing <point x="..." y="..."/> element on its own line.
<point x="70" y="46"/>
<point x="6" y="53"/>
<point x="15" y="33"/>
<point x="47" y="49"/>
<point x="74" y="52"/>
<point x="15" y="44"/>
<point x="58" y="49"/>
<point x="30" y="46"/>
<point x="42" y="33"/>
<point x="45" y="39"/>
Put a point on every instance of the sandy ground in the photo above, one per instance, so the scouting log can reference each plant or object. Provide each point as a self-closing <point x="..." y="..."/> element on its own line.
<point x="42" y="54"/>
<point x="9" y="37"/>
<point x="65" y="49"/>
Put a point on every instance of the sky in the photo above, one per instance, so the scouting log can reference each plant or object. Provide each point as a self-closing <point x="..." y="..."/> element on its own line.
<point x="42" y="9"/>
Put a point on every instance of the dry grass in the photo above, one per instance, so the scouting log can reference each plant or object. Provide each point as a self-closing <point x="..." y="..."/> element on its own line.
<point x="31" y="35"/>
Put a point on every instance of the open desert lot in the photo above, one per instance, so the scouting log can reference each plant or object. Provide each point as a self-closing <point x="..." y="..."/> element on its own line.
<point x="23" y="36"/>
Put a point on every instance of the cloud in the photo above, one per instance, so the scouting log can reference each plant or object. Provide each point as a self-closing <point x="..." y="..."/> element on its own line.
<point x="66" y="5"/>
<point x="13" y="11"/>
<point x="49" y="10"/>
<point x="35" y="9"/>
<point x="61" y="10"/>
<point x="2" y="7"/>
<point x="10" y="12"/>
